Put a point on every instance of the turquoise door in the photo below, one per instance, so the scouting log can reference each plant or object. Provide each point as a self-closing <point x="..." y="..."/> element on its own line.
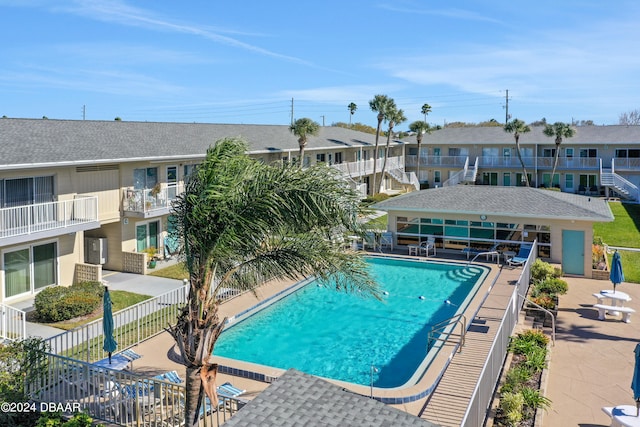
<point x="573" y="252"/>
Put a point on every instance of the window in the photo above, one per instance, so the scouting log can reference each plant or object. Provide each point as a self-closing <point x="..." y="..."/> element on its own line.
<point x="506" y="153"/>
<point x="546" y="180"/>
<point x="568" y="181"/>
<point x="568" y="153"/>
<point x="30" y="269"/>
<point x="320" y="158"/>
<point x="436" y="151"/>
<point x="26" y="191"/>
<point x="145" y="178"/>
<point x="490" y="152"/>
<point x="588" y="152"/>
<point x="338" y="158"/>
<point x="147" y="235"/>
<point x="548" y="152"/>
<point x="454" y="151"/>
<point x="413" y="151"/>
<point x="436" y="177"/>
<point x="489" y="178"/>
<point x="506" y="179"/>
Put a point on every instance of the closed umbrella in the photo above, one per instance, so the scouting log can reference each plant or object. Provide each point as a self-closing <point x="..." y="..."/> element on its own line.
<point x="616" y="275"/>
<point x="635" y="383"/>
<point x="110" y="343"/>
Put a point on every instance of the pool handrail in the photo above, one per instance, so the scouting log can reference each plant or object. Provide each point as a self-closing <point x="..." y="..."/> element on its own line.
<point x="457" y="319"/>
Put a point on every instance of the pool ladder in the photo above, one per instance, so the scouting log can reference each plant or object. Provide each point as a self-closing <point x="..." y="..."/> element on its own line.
<point x="435" y="334"/>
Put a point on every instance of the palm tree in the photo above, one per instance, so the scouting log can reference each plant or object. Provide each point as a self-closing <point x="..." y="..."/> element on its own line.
<point x="558" y="130"/>
<point x="352" y="109"/>
<point x="378" y="105"/>
<point x="426" y="109"/>
<point x="516" y="127"/>
<point x="301" y="128"/>
<point x="244" y="223"/>
<point x="395" y="117"/>
<point x="420" y="128"/>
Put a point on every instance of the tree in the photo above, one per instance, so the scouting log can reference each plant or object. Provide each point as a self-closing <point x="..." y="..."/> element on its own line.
<point x="420" y="128"/>
<point x="378" y="105"/>
<point x="243" y="223"/>
<point x="516" y="127"/>
<point x="395" y="117"/>
<point x="352" y="109"/>
<point x="302" y="128"/>
<point x="426" y="109"/>
<point x="558" y="130"/>
<point x="631" y="118"/>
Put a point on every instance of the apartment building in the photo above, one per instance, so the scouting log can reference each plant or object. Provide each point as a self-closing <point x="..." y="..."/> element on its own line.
<point x="79" y="196"/>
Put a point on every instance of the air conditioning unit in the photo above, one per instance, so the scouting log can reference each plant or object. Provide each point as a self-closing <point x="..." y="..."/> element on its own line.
<point x="95" y="250"/>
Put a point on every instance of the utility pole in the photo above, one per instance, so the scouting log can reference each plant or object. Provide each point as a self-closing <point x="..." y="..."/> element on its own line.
<point x="291" y="111"/>
<point x="506" y="107"/>
<point x="322" y="121"/>
<point x="84" y="112"/>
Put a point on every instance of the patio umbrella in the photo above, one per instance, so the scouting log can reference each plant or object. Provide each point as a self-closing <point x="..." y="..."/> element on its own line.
<point x="616" y="275"/>
<point x="110" y="343"/>
<point x="635" y="383"/>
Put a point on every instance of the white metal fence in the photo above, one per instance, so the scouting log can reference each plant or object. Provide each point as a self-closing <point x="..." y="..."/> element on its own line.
<point x="13" y="324"/>
<point x="488" y="380"/>
<point x="131" y="326"/>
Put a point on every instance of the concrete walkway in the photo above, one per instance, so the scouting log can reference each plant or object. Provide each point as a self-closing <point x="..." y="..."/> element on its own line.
<point x="592" y="362"/>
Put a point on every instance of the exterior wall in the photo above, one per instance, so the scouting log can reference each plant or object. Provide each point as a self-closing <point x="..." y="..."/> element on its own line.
<point x="556" y="227"/>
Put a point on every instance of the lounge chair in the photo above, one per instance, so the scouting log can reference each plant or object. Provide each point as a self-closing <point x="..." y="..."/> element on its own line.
<point x="369" y="240"/>
<point x="171" y="376"/>
<point x="386" y="240"/>
<point x="523" y="255"/>
<point x="228" y="390"/>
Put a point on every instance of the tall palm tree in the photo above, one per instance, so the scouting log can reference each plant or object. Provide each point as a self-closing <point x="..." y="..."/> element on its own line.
<point x="516" y="127"/>
<point x="302" y="128"/>
<point x="395" y="117"/>
<point x="426" y="109"/>
<point x="420" y="128"/>
<point x="378" y="105"/>
<point x="352" y="109"/>
<point x="244" y="223"/>
<point x="558" y="130"/>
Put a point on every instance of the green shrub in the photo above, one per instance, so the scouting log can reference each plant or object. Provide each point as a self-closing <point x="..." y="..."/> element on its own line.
<point x="515" y="378"/>
<point x="534" y="400"/>
<point x="92" y="287"/>
<point x="553" y="286"/>
<point x="58" y="303"/>
<point x="54" y="419"/>
<point x="370" y="200"/>
<point x="541" y="270"/>
<point x="512" y="405"/>
<point x="536" y="359"/>
<point x="525" y="342"/>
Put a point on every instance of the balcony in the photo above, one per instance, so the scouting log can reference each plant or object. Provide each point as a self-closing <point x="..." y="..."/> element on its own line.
<point x="365" y="167"/>
<point x="540" y="163"/>
<point x="437" y="161"/>
<point x="147" y="203"/>
<point x="626" y="164"/>
<point x="43" y="220"/>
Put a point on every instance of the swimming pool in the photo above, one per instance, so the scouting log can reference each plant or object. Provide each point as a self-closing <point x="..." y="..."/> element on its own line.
<point x="342" y="336"/>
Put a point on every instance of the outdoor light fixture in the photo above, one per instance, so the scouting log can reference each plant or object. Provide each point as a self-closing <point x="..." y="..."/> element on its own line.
<point x="483" y="217"/>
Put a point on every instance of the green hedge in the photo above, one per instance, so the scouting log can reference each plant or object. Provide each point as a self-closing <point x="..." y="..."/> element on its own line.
<point x="60" y="303"/>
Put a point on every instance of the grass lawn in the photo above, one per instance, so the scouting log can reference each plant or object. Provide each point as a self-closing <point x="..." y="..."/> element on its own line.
<point x="120" y="299"/>
<point x="176" y="271"/>
<point x="624" y="231"/>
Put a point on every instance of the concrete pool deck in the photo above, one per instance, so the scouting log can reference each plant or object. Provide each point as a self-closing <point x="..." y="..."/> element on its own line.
<point x="591" y="364"/>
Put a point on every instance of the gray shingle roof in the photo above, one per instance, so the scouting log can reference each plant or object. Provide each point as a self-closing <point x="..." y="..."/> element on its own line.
<point x="298" y="399"/>
<point x="508" y="201"/>
<point x="49" y="142"/>
<point x="585" y="135"/>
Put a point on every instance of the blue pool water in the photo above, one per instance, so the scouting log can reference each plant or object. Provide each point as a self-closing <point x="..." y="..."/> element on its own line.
<point x="337" y="335"/>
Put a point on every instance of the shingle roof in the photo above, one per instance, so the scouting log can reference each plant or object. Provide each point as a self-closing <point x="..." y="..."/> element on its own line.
<point x="584" y="135"/>
<point x="508" y="201"/>
<point x="49" y="142"/>
<point x="298" y="399"/>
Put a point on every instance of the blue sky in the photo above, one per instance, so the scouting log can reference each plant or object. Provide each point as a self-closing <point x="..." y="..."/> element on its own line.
<point x="244" y="61"/>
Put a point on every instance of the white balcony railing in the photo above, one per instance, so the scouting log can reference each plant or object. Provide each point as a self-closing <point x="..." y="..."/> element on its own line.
<point x="365" y="167"/>
<point x="145" y="200"/>
<point x="41" y="217"/>
<point x="444" y="161"/>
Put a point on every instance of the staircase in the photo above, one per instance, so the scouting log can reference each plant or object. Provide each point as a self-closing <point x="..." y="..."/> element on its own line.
<point x="471" y="173"/>
<point x="405" y="178"/>
<point x="620" y="186"/>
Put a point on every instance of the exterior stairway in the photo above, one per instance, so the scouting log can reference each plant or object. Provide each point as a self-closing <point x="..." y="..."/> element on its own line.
<point x="620" y="186"/>
<point x="405" y="178"/>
